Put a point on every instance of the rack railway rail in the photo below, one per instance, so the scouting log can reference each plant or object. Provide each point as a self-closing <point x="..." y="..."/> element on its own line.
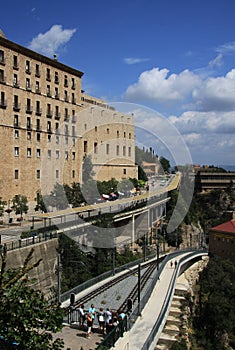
<point x="148" y="267"/>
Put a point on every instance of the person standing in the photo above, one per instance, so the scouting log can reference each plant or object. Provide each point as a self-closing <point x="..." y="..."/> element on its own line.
<point x="108" y="318"/>
<point x="101" y="319"/>
<point x="82" y="315"/>
<point x="92" y="311"/>
<point x="89" y="324"/>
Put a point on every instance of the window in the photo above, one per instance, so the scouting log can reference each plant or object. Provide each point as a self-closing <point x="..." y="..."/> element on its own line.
<point x="29" y="152"/>
<point x="57" y="154"/>
<point x="49" y="126"/>
<point x="28" y="86"/>
<point x="15" y="81"/>
<point x="48" y="74"/>
<point x="85" y="147"/>
<point x="66" y="140"/>
<point x="16" y="120"/>
<point x="73" y="116"/>
<point x="95" y="147"/>
<point x="3" y="102"/>
<point x="57" y="139"/>
<point x="124" y="134"/>
<point x="37" y="70"/>
<point x="16" y="174"/>
<point x="107" y="148"/>
<point x="107" y="130"/>
<point x="73" y="174"/>
<point x="16" y="105"/>
<point x="66" y="155"/>
<point x="73" y="155"/>
<point x="28" y="123"/>
<point x="117" y="134"/>
<point x="56" y="78"/>
<point x="124" y="171"/>
<point x="16" y="151"/>
<point x="65" y="81"/>
<point x="38" y="153"/>
<point x="57" y="174"/>
<point x="48" y="91"/>
<point x="38" y="137"/>
<point x="37" y="87"/>
<point x="73" y="98"/>
<point x="85" y="126"/>
<point x="15" y="62"/>
<point x="129" y="135"/>
<point x="38" y="108"/>
<point x="2" y="79"/>
<point x="48" y="138"/>
<point x="2" y="56"/>
<point x="28" y="135"/>
<point x="73" y="83"/>
<point x="117" y="150"/>
<point x="124" y="151"/>
<point x="27" y="67"/>
<point x="129" y="151"/>
<point x="56" y="92"/>
<point x="38" y="174"/>
<point x="66" y="98"/>
<point x="49" y="112"/>
<point x="95" y="128"/>
<point x="28" y="106"/>
<point x="16" y="134"/>
<point x="66" y="129"/>
<point x="73" y="131"/>
<point x="49" y="154"/>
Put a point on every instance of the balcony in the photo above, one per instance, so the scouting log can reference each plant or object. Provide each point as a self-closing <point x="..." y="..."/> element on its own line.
<point x="48" y="94"/>
<point x="74" y="100"/>
<point x="48" y="77"/>
<point x="3" y="103"/>
<point x="49" y="114"/>
<point x="38" y="111"/>
<point x="38" y="128"/>
<point x="2" y="61"/>
<point x="38" y="91"/>
<point x="16" y="84"/>
<point x="66" y="118"/>
<point x="57" y="116"/>
<point x="2" y="80"/>
<point x="29" y="109"/>
<point x="27" y="70"/>
<point x="16" y="106"/>
<point x="66" y="99"/>
<point x="57" y="96"/>
<point x="37" y="74"/>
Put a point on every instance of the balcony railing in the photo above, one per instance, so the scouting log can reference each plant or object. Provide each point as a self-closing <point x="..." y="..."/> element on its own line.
<point x="16" y="106"/>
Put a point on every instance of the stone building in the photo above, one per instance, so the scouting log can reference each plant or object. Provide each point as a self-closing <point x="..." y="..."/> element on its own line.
<point x="222" y="240"/>
<point x="48" y="125"/>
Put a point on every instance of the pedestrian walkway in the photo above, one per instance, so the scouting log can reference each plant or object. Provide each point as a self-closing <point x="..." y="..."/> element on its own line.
<point x="75" y="338"/>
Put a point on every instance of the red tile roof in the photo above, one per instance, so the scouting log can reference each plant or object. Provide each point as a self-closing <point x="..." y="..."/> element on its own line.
<point x="228" y="226"/>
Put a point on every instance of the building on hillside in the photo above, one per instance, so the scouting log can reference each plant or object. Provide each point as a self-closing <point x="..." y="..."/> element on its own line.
<point x="48" y="125"/>
<point x="151" y="169"/>
<point x="206" y="180"/>
<point x="222" y="240"/>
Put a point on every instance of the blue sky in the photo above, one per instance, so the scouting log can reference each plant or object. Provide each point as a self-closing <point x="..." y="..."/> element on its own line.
<point x="175" y="57"/>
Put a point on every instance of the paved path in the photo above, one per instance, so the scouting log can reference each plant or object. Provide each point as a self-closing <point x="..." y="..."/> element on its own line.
<point x="75" y="339"/>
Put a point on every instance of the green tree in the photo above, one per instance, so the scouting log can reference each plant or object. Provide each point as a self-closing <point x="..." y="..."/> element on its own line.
<point x="2" y="205"/>
<point x="40" y="205"/>
<point x="20" y="205"/>
<point x="165" y="164"/>
<point x="26" y="317"/>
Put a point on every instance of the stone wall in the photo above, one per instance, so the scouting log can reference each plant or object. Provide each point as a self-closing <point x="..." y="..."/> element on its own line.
<point x="45" y="274"/>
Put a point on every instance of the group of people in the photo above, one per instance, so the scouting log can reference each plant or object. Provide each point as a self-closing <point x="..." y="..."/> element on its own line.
<point x="107" y="319"/>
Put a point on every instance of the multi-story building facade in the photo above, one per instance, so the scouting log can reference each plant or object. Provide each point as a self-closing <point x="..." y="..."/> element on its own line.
<point x="48" y="125"/>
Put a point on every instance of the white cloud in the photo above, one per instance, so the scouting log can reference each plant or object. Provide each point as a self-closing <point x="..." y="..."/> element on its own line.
<point x="227" y="48"/>
<point x="196" y="122"/>
<point x="217" y="61"/>
<point x="216" y="93"/>
<point x="49" y="42"/>
<point x="133" y="60"/>
<point x="157" y="85"/>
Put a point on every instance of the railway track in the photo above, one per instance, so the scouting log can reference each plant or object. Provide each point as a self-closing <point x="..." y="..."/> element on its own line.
<point x="148" y="268"/>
